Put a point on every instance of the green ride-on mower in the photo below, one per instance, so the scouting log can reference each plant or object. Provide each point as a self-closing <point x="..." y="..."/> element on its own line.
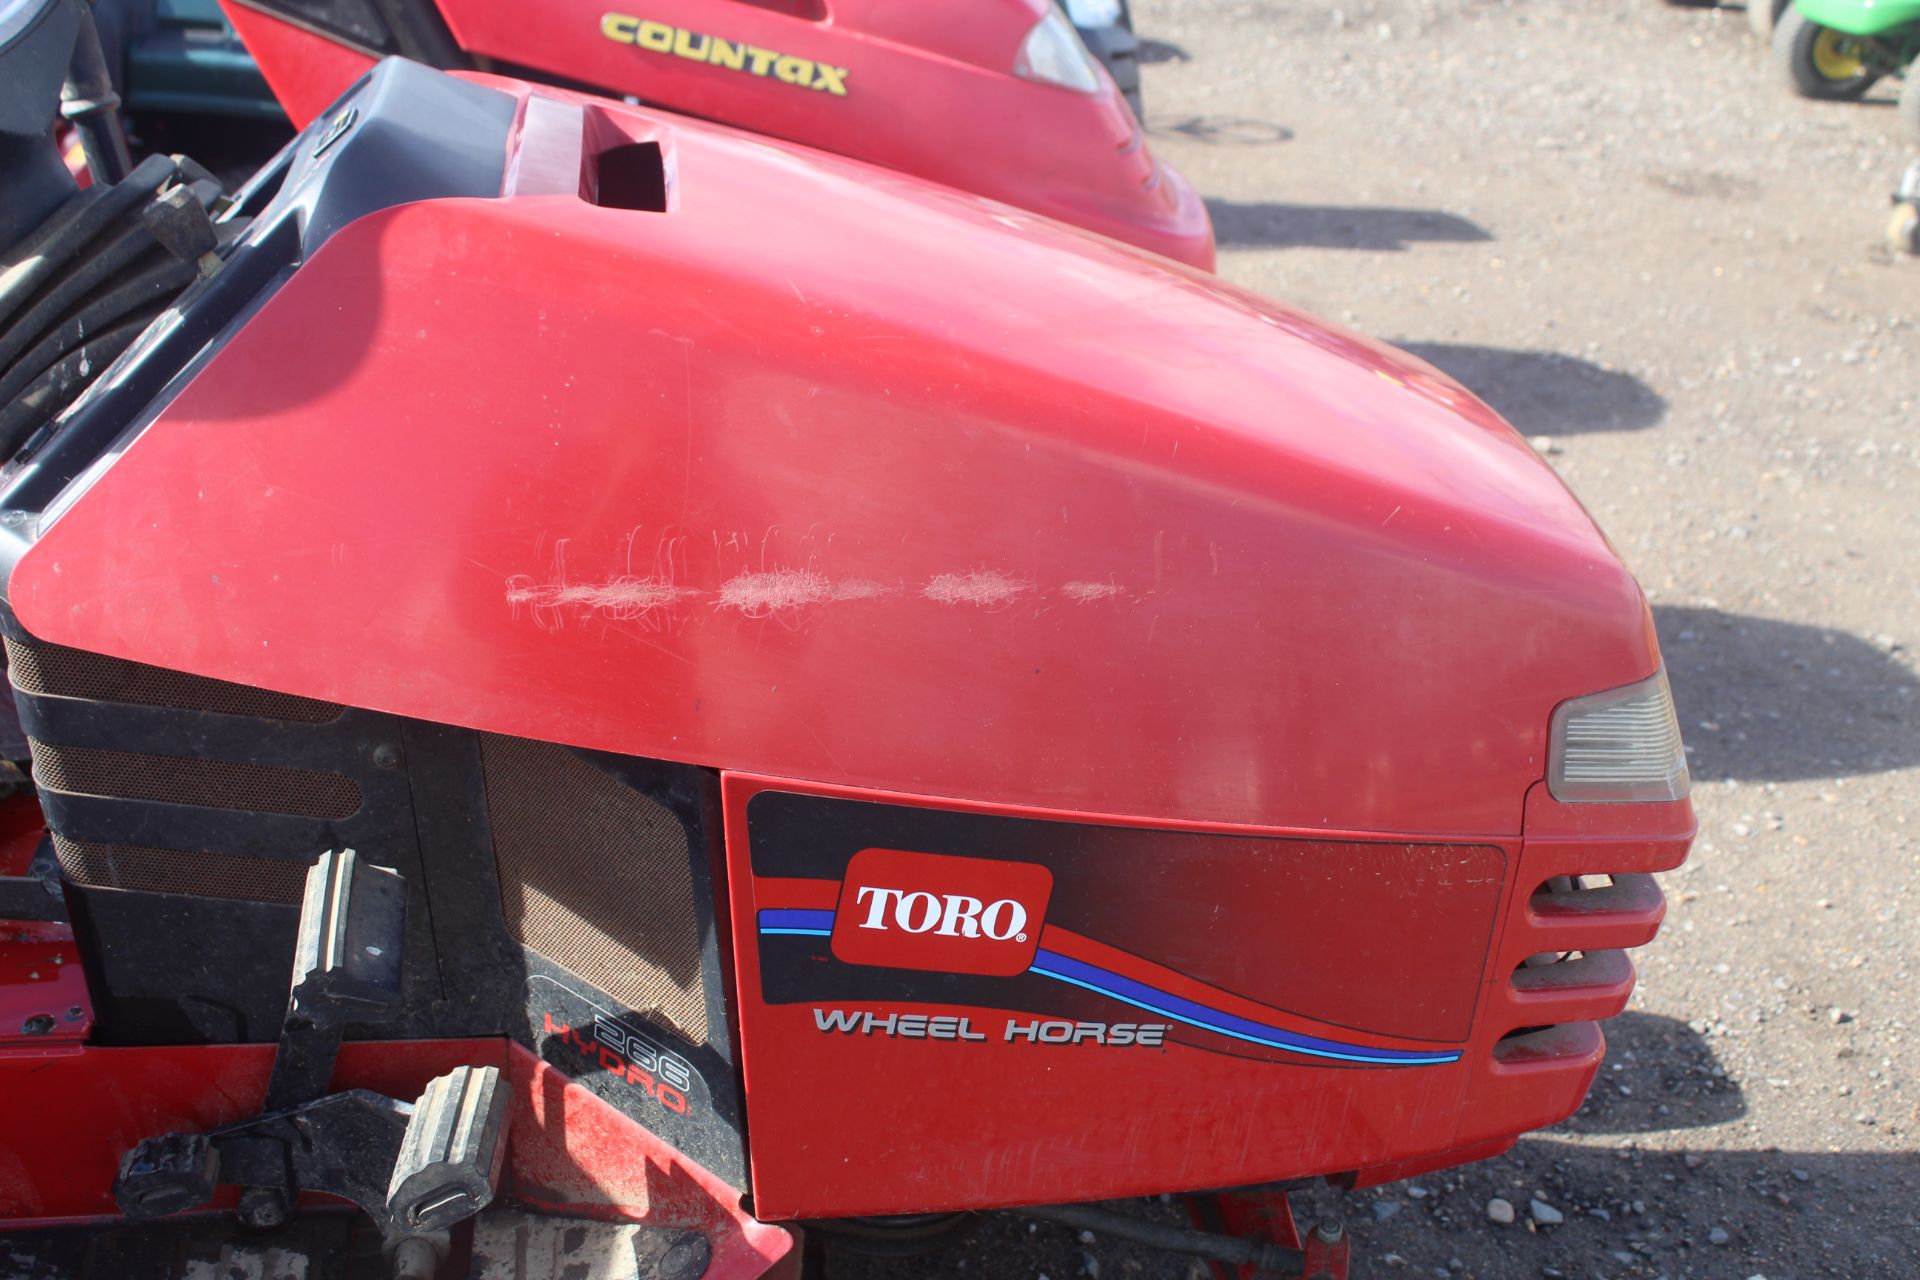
<point x="1838" y="49"/>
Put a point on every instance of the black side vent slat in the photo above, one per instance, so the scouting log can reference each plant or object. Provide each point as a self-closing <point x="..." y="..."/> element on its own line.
<point x="214" y="784"/>
<point x="205" y="875"/>
<point x="51" y="670"/>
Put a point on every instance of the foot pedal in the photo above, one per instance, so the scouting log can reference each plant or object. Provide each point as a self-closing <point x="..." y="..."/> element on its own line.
<point x="347" y="959"/>
<point x="347" y="964"/>
<point x="449" y="1162"/>
<point x="168" y="1174"/>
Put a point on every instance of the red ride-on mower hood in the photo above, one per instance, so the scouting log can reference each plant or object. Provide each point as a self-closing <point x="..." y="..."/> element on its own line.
<point x="1169" y="548"/>
<point x="1140" y="718"/>
<point x="996" y="97"/>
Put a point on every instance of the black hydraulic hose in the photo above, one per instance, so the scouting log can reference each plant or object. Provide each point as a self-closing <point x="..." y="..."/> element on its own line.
<point x="1231" y="1249"/>
<point x="73" y="224"/>
<point x="132" y="243"/>
<point x="52" y="390"/>
<point x="157" y="283"/>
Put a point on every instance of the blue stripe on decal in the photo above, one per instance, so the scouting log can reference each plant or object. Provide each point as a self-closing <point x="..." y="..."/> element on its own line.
<point x="795" y="920"/>
<point x="791" y="921"/>
<point x="1061" y="968"/>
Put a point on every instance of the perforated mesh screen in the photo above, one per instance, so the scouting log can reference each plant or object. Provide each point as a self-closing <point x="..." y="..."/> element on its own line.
<point x="206" y="875"/>
<point x="57" y="671"/>
<point x="596" y="878"/>
<point x="216" y="784"/>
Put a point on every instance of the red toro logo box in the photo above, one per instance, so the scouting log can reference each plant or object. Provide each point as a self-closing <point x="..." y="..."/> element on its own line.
<point x="942" y="913"/>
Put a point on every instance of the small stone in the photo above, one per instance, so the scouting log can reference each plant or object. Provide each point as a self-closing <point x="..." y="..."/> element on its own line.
<point x="1545" y="1214"/>
<point x="1418" y="1193"/>
<point x="1799" y="1175"/>
<point x="1501" y="1211"/>
<point x="1087" y="1237"/>
<point x="1693" y="1161"/>
<point x="1090" y="1266"/>
<point x="1384" y="1209"/>
<point x="1719" y="1236"/>
<point x="1838" y="1016"/>
<point x="1602" y="1214"/>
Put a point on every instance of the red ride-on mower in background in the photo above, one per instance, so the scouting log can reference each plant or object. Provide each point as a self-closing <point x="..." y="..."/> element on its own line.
<point x="996" y="97"/>
<point x="602" y="691"/>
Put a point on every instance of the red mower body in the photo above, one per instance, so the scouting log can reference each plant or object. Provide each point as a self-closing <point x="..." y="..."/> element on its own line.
<point x="928" y="89"/>
<point x="1109" y="712"/>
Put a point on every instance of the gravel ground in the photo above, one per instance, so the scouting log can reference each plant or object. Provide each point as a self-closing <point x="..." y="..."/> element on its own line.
<point x="1610" y="221"/>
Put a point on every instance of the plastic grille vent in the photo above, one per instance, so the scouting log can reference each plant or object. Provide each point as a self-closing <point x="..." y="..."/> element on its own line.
<point x="597" y="878"/>
<point x="51" y="670"/>
<point x="213" y="784"/>
<point x="204" y="875"/>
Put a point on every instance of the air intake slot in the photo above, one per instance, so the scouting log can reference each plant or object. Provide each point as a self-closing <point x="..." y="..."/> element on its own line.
<point x="619" y="170"/>
<point x="52" y="670"/>
<point x="597" y="878"/>
<point x="214" y="784"/>
<point x="631" y="176"/>
<point x="205" y="875"/>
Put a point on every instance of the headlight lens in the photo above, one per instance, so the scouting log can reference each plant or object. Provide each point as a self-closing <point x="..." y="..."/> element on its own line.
<point x="1621" y="745"/>
<point x="1054" y="53"/>
<point x="1094" y="13"/>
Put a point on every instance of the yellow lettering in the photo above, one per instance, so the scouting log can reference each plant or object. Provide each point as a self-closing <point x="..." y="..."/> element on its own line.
<point x="683" y="45"/>
<point x="695" y="46"/>
<point x="657" y="36"/>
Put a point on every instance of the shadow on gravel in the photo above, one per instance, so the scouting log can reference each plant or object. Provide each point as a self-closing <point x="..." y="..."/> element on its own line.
<point x="1221" y="131"/>
<point x="1660" y="1075"/>
<point x="1265" y="224"/>
<point x="1161" y="51"/>
<point x="1767" y="701"/>
<point x="1628" y="1214"/>
<point x="1544" y="392"/>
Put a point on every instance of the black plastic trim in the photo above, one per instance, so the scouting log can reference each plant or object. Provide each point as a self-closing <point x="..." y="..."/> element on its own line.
<point x="403" y="134"/>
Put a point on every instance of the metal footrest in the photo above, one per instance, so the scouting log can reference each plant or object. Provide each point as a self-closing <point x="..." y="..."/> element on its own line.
<point x="416" y="1169"/>
<point x="449" y="1161"/>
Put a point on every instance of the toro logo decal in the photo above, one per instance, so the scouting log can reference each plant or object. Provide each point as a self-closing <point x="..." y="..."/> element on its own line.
<point x="729" y="55"/>
<point x="933" y="911"/>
